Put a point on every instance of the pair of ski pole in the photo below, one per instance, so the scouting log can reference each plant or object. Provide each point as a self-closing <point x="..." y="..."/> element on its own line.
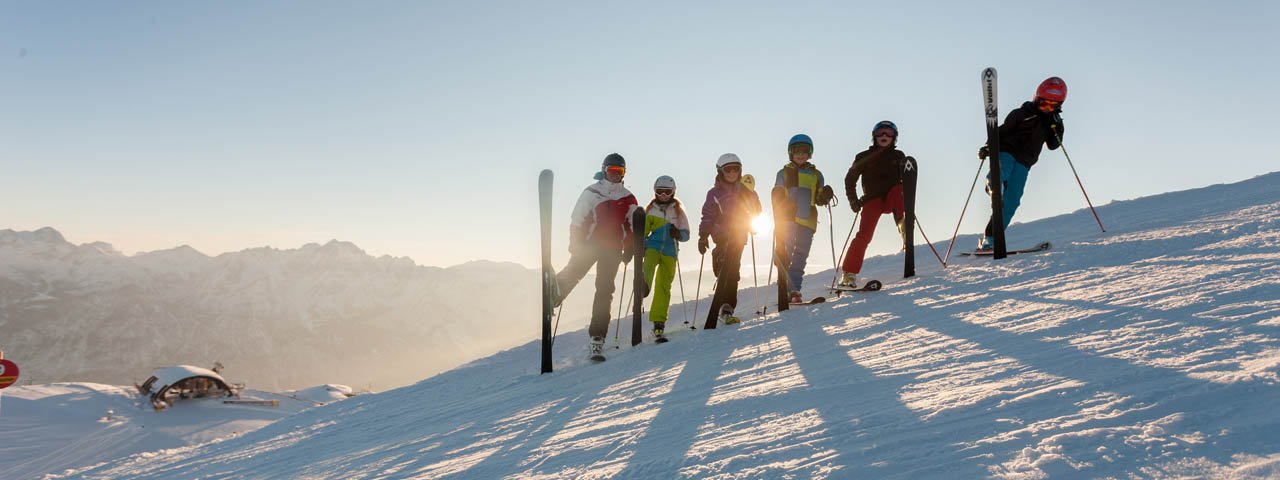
<point x="968" y="197"/>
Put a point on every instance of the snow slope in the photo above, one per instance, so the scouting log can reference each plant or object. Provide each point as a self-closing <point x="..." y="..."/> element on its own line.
<point x="1150" y="351"/>
<point x="50" y="428"/>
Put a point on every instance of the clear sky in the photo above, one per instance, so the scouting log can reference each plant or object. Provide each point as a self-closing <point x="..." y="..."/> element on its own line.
<point x="418" y="128"/>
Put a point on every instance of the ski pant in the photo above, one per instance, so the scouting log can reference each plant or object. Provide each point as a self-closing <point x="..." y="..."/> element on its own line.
<point x="726" y="260"/>
<point x="1013" y="175"/>
<point x="655" y="263"/>
<point x="606" y="261"/>
<point x="799" y="241"/>
<point x="871" y="212"/>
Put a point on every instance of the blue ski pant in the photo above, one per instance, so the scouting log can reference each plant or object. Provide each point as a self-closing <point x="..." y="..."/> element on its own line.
<point x="1013" y="175"/>
<point x="799" y="241"/>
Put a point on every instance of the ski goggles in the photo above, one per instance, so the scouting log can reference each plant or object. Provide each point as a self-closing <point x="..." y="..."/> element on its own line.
<point x="886" y="133"/>
<point x="1049" y="103"/>
<point x="664" y="192"/>
<point x="735" y="168"/>
<point x="615" y="170"/>
<point x="800" y="149"/>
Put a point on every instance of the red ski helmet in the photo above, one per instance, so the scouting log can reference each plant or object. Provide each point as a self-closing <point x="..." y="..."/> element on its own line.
<point x="1052" y="89"/>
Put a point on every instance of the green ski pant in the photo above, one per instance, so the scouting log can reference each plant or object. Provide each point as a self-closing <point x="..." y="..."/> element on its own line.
<point x="665" y="267"/>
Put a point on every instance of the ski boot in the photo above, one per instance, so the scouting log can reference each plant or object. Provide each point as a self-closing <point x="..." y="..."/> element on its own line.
<point x="796" y="297"/>
<point x="848" y="280"/>
<point x="986" y="243"/>
<point x="726" y="316"/>
<point x="659" y="332"/>
<point x="595" y="349"/>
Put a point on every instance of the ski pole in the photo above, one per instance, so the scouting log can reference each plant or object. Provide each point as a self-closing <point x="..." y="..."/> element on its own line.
<point x="962" y="210"/>
<point x="1073" y="172"/>
<point x="680" y="276"/>
<point x="844" y="249"/>
<point x="697" y="296"/>
<point x="755" y="278"/>
<point x="831" y="231"/>
<point x="926" y="240"/>
<point x="619" y="318"/>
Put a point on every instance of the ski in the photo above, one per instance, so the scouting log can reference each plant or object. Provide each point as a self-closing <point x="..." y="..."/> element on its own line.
<point x="908" y="225"/>
<point x="781" y="254"/>
<point x="811" y="301"/>
<point x="545" y="180"/>
<point x="870" y="286"/>
<point x="987" y="253"/>
<point x="993" y="152"/>
<point x="640" y="288"/>
<point x="597" y="358"/>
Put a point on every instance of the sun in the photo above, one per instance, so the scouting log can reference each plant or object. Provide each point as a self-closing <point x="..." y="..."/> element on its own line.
<point x="762" y="223"/>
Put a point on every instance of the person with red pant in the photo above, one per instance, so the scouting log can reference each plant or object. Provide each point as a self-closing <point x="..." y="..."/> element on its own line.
<point x="600" y="235"/>
<point x="880" y="169"/>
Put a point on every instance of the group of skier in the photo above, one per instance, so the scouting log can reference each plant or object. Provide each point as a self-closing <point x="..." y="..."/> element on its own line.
<point x="602" y="235"/>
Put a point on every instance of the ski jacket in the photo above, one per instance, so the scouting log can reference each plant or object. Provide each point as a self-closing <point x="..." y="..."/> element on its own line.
<point x="801" y="184"/>
<point x="658" y="223"/>
<point x="728" y="210"/>
<point x="1025" y="129"/>
<point x="880" y="169"/>
<point x="602" y="216"/>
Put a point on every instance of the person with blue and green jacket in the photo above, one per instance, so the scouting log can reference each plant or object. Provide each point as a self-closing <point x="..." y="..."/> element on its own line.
<point x="802" y="189"/>
<point x="665" y="225"/>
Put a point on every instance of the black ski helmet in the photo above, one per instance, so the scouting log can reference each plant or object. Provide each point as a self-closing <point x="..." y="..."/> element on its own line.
<point x="614" y="160"/>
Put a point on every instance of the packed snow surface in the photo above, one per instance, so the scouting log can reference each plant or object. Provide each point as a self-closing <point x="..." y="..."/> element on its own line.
<point x="1148" y="351"/>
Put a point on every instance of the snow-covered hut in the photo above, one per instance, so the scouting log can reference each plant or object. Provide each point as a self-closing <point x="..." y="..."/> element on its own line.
<point x="183" y="382"/>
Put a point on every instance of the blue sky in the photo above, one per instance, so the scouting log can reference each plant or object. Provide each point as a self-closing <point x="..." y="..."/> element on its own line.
<point x="418" y="128"/>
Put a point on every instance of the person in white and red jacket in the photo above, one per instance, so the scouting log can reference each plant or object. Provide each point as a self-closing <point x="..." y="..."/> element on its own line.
<point x="600" y="234"/>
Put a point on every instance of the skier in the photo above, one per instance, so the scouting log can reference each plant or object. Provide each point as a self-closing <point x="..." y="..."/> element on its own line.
<point x="1025" y="130"/>
<point x="726" y="219"/>
<point x="803" y="188"/>
<point x="880" y="168"/>
<point x="665" y="224"/>
<point x="600" y="235"/>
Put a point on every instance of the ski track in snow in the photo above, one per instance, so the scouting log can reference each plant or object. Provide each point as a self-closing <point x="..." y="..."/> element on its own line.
<point x="1150" y="351"/>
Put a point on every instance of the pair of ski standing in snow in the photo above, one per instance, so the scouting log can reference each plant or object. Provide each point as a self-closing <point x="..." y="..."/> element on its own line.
<point x="600" y="231"/>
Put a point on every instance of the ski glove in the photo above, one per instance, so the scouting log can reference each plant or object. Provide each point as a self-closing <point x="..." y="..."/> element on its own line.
<point x="825" y="195"/>
<point x="627" y="253"/>
<point x="675" y="233"/>
<point x="856" y="205"/>
<point x="983" y="152"/>
<point x="703" y="244"/>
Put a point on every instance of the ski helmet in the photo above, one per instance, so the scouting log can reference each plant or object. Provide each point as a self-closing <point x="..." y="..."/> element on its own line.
<point x="1052" y="89"/>
<point x="800" y="138"/>
<point x="727" y="159"/>
<point x="664" y="181"/>
<point x="614" y="160"/>
<point x="885" y="124"/>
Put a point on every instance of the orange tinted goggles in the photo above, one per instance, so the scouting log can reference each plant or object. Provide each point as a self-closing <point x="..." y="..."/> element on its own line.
<point x="615" y="170"/>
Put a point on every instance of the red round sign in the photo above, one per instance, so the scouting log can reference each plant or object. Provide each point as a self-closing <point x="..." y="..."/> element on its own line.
<point x="8" y="373"/>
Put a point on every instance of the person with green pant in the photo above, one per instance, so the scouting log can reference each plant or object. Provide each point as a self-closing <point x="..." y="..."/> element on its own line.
<point x="665" y="226"/>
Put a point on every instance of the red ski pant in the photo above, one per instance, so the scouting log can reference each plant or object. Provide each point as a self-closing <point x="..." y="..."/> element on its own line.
<point x="871" y="212"/>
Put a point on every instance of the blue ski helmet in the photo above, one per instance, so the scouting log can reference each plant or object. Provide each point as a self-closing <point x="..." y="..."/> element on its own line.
<point x="885" y="124"/>
<point x="800" y="138"/>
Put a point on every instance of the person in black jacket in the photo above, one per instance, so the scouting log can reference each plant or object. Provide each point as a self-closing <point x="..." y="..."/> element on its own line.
<point x="1024" y="131"/>
<point x="880" y="168"/>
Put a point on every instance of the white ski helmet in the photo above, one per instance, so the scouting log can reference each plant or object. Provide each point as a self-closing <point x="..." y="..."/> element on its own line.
<point x="664" y="181"/>
<point x="727" y="159"/>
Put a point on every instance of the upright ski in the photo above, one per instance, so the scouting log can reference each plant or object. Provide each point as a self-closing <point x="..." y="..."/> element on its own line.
<point x="641" y="288"/>
<point x="993" y="153"/>
<point x="545" y="180"/>
<point x="781" y="254"/>
<point x="908" y="225"/>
